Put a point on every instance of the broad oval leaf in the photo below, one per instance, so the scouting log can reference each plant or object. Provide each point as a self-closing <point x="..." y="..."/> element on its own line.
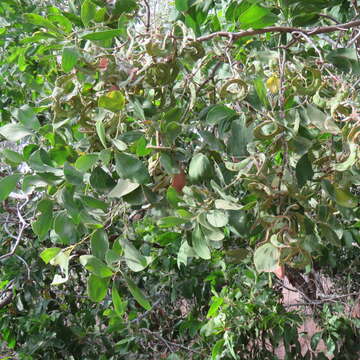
<point x="130" y="167"/>
<point x="97" y="287"/>
<point x="113" y="101"/>
<point x="7" y="185"/>
<point x="217" y="218"/>
<point x="119" y="305"/>
<point x="85" y="162"/>
<point x="88" y="12"/>
<point x="266" y="258"/>
<point x="99" y="243"/>
<point x="65" y="228"/>
<point x="199" y="243"/>
<point x="70" y="57"/>
<point x="199" y="168"/>
<point x="95" y="266"/>
<point x="14" y="132"/>
<point x="49" y="254"/>
<point x="122" y="188"/>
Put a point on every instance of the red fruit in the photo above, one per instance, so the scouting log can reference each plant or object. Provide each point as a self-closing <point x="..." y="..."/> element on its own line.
<point x="103" y="63"/>
<point x="179" y="181"/>
<point x="113" y="88"/>
<point x="280" y="271"/>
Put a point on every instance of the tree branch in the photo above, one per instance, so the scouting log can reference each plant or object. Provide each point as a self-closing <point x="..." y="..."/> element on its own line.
<point x="147" y="24"/>
<point x="281" y="29"/>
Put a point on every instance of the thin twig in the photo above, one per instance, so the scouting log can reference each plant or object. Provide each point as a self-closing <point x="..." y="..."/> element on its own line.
<point x="142" y="316"/>
<point x="160" y="148"/>
<point x="26" y="265"/>
<point x="281" y="29"/>
<point x="21" y="230"/>
<point x="168" y="343"/>
<point x="282" y="64"/>
<point x="330" y="18"/>
<point x="307" y="38"/>
<point x="211" y="76"/>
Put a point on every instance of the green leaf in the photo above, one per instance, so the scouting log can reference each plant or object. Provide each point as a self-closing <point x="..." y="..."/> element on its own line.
<point x="39" y="20"/>
<point x="63" y="21"/>
<point x="240" y="137"/>
<point x="217" y="349"/>
<point x="123" y="188"/>
<point x="199" y="243"/>
<point x="137" y="294"/>
<point x="70" y="57"/>
<point x="27" y="117"/>
<point x="124" y="6"/>
<point x="95" y="266"/>
<point x="85" y="162"/>
<point x="219" y="113"/>
<point x="217" y="218"/>
<point x="102" y="35"/>
<point x="304" y="171"/>
<point x="351" y="159"/>
<point x="199" y="168"/>
<point x="13" y="156"/>
<point x="129" y="167"/>
<point x="212" y="234"/>
<point x="345" y="59"/>
<point x="65" y="228"/>
<point x="141" y="149"/>
<point x="134" y="260"/>
<point x="93" y="203"/>
<point x="48" y="254"/>
<point x="100" y="15"/>
<point x="101" y="181"/>
<point x="260" y="89"/>
<point x="72" y="176"/>
<point x="119" y="305"/>
<point x="256" y="17"/>
<point x="99" y="243"/>
<point x="216" y="302"/>
<point x="14" y="132"/>
<point x="227" y="205"/>
<point x="329" y="234"/>
<point x="266" y="257"/>
<point x="88" y="12"/>
<point x="169" y="164"/>
<point x="113" y="101"/>
<point x="43" y="223"/>
<point x="315" y="339"/>
<point x="345" y="198"/>
<point x="320" y="120"/>
<point x="171" y="221"/>
<point x="341" y="196"/>
<point x="7" y="185"/>
<point x="182" y="5"/>
<point x="120" y="145"/>
<point x="61" y="259"/>
<point x="100" y="129"/>
<point x="172" y="196"/>
<point x="97" y="287"/>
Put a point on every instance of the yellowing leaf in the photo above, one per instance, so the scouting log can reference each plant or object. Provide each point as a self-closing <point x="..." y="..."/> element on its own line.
<point x="273" y="84"/>
<point x="113" y="101"/>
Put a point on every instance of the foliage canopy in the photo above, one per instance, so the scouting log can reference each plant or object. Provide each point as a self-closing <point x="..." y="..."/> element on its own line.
<point x="163" y="169"/>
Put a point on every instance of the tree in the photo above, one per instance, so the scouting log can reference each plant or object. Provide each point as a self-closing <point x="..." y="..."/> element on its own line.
<point x="164" y="170"/>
